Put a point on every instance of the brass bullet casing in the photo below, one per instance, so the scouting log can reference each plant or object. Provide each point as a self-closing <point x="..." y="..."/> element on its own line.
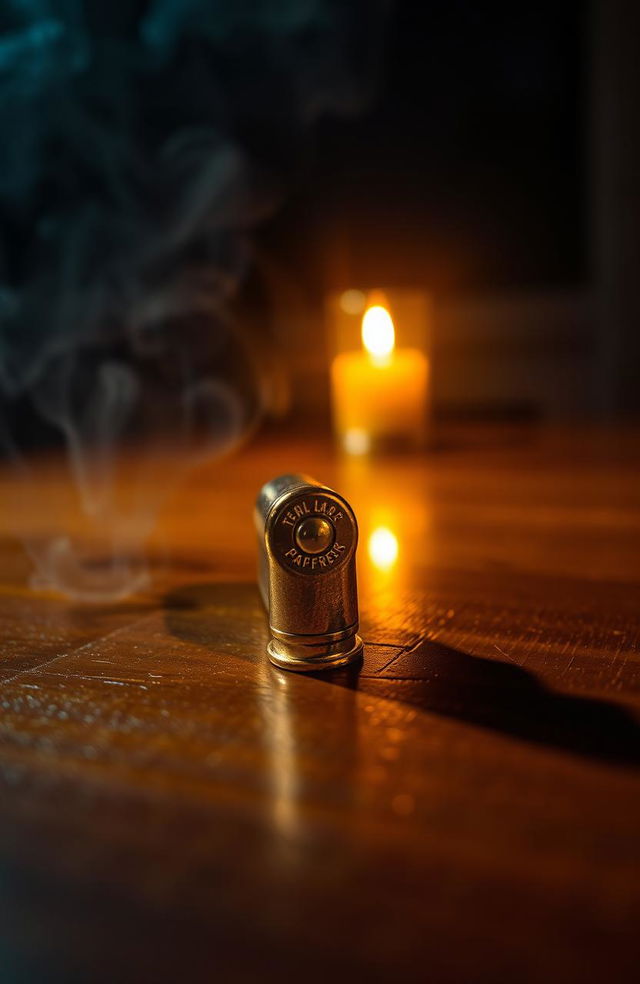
<point x="307" y="539"/>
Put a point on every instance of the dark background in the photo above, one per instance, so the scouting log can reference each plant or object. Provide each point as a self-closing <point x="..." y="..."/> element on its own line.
<point x="468" y="168"/>
<point x="497" y="167"/>
<point x="485" y="154"/>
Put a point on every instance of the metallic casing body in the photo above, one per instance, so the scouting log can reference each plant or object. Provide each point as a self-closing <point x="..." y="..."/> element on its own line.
<point x="311" y="599"/>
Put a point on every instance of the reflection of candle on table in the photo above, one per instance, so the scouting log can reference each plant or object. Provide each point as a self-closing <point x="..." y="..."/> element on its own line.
<point x="379" y="392"/>
<point x="383" y="548"/>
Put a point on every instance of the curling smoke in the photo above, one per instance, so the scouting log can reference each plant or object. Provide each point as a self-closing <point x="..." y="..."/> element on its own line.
<point x="136" y="139"/>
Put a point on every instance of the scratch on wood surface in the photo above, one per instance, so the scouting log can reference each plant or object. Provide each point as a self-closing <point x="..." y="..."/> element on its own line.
<point x="502" y="653"/>
<point x="622" y="663"/>
<point x="396" y="655"/>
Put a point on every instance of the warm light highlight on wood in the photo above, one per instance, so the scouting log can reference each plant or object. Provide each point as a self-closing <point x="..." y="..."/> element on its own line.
<point x="466" y="808"/>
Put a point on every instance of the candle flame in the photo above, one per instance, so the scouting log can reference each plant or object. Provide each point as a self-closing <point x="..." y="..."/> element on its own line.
<point x="378" y="333"/>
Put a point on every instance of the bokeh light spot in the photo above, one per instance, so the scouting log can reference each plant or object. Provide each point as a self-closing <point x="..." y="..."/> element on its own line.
<point x="383" y="548"/>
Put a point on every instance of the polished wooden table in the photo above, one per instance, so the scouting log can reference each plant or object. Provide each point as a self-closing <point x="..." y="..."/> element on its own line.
<point x="465" y="808"/>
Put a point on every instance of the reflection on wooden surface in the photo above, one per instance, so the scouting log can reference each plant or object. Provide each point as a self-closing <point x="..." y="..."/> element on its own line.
<point x="466" y="807"/>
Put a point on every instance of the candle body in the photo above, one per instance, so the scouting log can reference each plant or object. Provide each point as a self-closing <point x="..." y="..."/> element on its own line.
<point x="378" y="403"/>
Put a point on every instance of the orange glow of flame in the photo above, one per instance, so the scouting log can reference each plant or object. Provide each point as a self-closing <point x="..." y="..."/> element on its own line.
<point x="383" y="548"/>
<point x="378" y="333"/>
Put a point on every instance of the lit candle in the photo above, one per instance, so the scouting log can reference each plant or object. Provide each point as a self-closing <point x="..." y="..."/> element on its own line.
<point x="379" y="392"/>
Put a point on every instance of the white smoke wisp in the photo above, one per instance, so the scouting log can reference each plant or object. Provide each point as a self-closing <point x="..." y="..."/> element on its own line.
<point x="138" y="139"/>
<point x="131" y="434"/>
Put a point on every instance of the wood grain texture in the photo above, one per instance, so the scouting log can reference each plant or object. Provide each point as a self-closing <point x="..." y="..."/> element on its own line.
<point x="465" y="808"/>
